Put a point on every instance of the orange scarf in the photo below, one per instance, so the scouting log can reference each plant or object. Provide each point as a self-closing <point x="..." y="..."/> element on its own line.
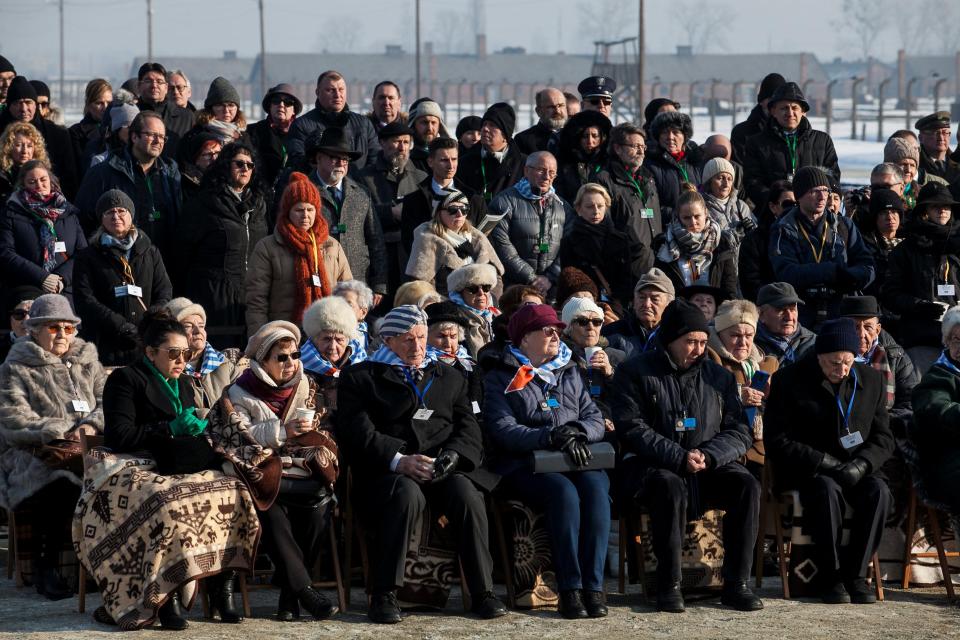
<point x="307" y="247"/>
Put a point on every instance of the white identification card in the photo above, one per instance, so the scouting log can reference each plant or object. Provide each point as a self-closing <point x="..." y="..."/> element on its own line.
<point x="423" y="414"/>
<point x="336" y="374"/>
<point x="851" y="440"/>
<point x="80" y="406"/>
<point x="647" y="213"/>
<point x="128" y="290"/>
<point x="316" y="280"/>
<point x="946" y="290"/>
<point x="476" y="406"/>
<point x="59" y="247"/>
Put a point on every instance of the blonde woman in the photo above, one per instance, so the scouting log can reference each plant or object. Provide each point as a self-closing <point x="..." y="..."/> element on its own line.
<point x="19" y="144"/>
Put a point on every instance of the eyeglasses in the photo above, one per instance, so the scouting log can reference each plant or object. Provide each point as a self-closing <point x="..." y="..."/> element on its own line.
<point x="20" y="314"/>
<point x="153" y="81"/>
<point x="598" y="101"/>
<point x="586" y="322"/>
<point x="243" y="165"/>
<point x="639" y="148"/>
<point x="544" y="171"/>
<point x="286" y="102"/>
<point x="150" y="135"/>
<point x="551" y="331"/>
<point x="787" y="203"/>
<point x="179" y="88"/>
<point x="477" y="288"/>
<point x="283" y="357"/>
<point x="456" y="210"/>
<point x="339" y="160"/>
<point x="67" y="329"/>
<point x="176" y="353"/>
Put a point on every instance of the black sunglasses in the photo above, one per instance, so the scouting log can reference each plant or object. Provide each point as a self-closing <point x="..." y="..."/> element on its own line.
<point x="586" y="322"/>
<point x="282" y="357"/>
<point x="598" y="101"/>
<point x="787" y="203"/>
<point x="477" y="288"/>
<point x="240" y="164"/>
<point x="19" y="314"/>
<point x="287" y="102"/>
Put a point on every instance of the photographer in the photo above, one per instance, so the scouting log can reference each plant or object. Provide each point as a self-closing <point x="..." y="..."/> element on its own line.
<point x="856" y="202"/>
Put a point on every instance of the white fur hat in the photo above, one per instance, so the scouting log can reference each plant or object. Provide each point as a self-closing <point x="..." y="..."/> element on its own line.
<point x="332" y="313"/>
<point x="471" y="275"/>
<point x="180" y="308"/>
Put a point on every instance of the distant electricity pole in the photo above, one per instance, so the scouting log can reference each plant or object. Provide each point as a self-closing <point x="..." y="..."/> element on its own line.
<point x="640" y="60"/>
<point x="63" y="98"/>
<point x="263" y="54"/>
<point x="417" y="19"/>
<point x="149" y="30"/>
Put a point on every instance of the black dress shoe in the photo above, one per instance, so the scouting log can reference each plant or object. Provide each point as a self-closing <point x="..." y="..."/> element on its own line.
<point x="571" y="605"/>
<point x="593" y="601"/>
<point x="316" y="604"/>
<point x="384" y="608"/>
<point x="739" y="596"/>
<point x="488" y="606"/>
<point x="51" y="585"/>
<point x="835" y="593"/>
<point x="670" y="599"/>
<point x="860" y="592"/>
<point x="221" y="589"/>
<point x="288" y="607"/>
<point x="170" y="615"/>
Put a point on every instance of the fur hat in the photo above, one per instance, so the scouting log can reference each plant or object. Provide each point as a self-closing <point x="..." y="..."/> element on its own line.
<point x="734" y="312"/>
<point x="332" y="313"/>
<point x="299" y="189"/>
<point x="653" y="108"/>
<point x="181" y="308"/>
<point x="259" y="344"/>
<point x="503" y="117"/>
<point x="112" y="199"/>
<point x="573" y="280"/>
<point x="220" y="92"/>
<point x="899" y="149"/>
<point x="715" y="166"/>
<point x="674" y="120"/>
<point x="50" y="307"/>
<point x="470" y="275"/>
<point x="413" y="292"/>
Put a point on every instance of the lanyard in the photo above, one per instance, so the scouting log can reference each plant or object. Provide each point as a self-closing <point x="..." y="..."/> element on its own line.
<point x="283" y="155"/>
<point x="849" y="412"/>
<point x="316" y="255"/>
<point x="636" y="186"/>
<point x="792" y="148"/>
<point x="420" y="394"/>
<point x="483" y="174"/>
<point x="823" y="240"/>
<point x="686" y="178"/>
<point x="946" y="270"/>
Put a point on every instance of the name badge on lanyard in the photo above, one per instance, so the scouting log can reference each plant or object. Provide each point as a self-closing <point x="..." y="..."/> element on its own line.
<point x="945" y="291"/>
<point x="852" y="439"/>
<point x="80" y="406"/>
<point x="316" y="280"/>
<point x="59" y="247"/>
<point x="423" y="413"/>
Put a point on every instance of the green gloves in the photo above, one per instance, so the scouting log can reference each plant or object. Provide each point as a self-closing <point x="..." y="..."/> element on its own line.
<point x="187" y="424"/>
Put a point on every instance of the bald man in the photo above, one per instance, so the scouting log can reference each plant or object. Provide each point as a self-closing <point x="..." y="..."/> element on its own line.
<point x="552" y="110"/>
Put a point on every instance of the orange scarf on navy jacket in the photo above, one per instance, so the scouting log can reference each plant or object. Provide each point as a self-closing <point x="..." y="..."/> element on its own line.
<point x="307" y="261"/>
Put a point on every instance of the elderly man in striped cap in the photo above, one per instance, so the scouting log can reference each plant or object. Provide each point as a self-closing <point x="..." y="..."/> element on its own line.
<point x="408" y="430"/>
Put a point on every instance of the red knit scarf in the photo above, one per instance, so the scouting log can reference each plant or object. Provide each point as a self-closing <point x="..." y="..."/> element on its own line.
<point x="274" y="397"/>
<point x="679" y="156"/>
<point x="305" y="262"/>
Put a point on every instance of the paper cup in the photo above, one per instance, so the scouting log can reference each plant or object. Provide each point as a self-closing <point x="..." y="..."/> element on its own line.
<point x="589" y="351"/>
<point x="306" y="414"/>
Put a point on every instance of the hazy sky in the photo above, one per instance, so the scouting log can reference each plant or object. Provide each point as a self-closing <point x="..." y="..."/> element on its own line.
<point x="102" y="36"/>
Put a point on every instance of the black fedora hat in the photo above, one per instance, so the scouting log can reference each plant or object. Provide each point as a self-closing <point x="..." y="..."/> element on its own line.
<point x="446" y="311"/>
<point x="934" y="193"/>
<point x="331" y="140"/>
<point x="859" y="307"/>
<point x="695" y="289"/>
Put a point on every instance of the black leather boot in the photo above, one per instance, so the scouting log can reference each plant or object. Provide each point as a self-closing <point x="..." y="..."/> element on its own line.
<point x="221" y="597"/>
<point x="288" y="607"/>
<point x="571" y="605"/>
<point x="384" y="608"/>
<point x="46" y="578"/>
<point x="670" y="598"/>
<point x="170" y="615"/>
<point x="739" y="596"/>
<point x="317" y="604"/>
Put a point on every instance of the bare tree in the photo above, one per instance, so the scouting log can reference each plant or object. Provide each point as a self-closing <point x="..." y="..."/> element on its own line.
<point x="945" y="30"/>
<point x="702" y="25"/>
<point x="607" y="19"/>
<point x="909" y="26"/>
<point x="862" y="23"/>
<point x="451" y="32"/>
<point x="343" y="38"/>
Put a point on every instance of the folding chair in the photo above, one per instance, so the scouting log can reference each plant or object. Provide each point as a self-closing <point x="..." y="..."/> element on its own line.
<point x="933" y="519"/>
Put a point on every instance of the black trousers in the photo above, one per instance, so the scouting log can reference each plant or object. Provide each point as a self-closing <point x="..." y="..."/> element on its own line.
<point x="823" y="503"/>
<point x="731" y="488"/>
<point x="52" y="510"/>
<point x="293" y="538"/>
<point x="394" y="504"/>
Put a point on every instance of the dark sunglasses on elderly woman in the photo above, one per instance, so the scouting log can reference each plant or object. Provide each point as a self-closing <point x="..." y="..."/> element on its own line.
<point x="477" y="288"/>
<point x="282" y="357"/>
<point x="586" y="322"/>
<point x="287" y="102"/>
<point x="20" y="314"/>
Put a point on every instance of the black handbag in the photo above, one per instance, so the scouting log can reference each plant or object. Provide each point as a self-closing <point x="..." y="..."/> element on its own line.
<point x="303" y="493"/>
<point x="549" y="461"/>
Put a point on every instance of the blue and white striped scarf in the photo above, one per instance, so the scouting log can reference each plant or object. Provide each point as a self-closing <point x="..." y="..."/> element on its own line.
<point x="526" y="192"/>
<point x="364" y="336"/>
<point x="385" y="355"/>
<point x="314" y="362"/>
<point x="209" y="362"/>
<point x="487" y="314"/>
<point x="545" y="372"/>
<point x="461" y="356"/>
<point x="944" y="360"/>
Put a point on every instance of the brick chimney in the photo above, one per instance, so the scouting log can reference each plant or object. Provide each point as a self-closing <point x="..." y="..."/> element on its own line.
<point x="901" y="75"/>
<point x="481" y="46"/>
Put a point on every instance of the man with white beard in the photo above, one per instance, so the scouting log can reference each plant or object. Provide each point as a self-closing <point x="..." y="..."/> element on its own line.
<point x="348" y="208"/>
<point x="552" y="110"/>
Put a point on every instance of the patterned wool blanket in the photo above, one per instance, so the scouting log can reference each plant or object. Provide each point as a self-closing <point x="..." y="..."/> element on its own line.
<point x="142" y="536"/>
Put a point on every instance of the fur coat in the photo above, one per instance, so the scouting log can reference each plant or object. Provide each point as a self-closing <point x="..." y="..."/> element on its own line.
<point x="432" y="258"/>
<point x="36" y="392"/>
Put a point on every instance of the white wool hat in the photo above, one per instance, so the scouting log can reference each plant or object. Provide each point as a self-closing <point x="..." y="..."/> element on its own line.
<point x="180" y="308"/>
<point x="332" y="313"/>
<point x="579" y="307"/>
<point x="471" y="275"/>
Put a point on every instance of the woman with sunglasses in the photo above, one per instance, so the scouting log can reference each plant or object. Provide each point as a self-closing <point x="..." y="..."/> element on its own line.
<point x="276" y="410"/>
<point x="149" y="407"/>
<point x="582" y="152"/>
<point x="19" y="305"/>
<point x="449" y="242"/>
<point x="51" y="387"/>
<point x="595" y="358"/>
<point x="470" y="288"/>
<point x="40" y="233"/>
<point x="535" y="399"/>
<point x="754" y="268"/>
<point x="217" y="232"/>
<point x="269" y="136"/>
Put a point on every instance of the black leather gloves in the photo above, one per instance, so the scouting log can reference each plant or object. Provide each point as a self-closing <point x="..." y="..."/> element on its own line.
<point x="850" y="473"/>
<point x="929" y="310"/>
<point x="570" y="439"/>
<point x="559" y="436"/>
<point x="828" y="464"/>
<point x="445" y="464"/>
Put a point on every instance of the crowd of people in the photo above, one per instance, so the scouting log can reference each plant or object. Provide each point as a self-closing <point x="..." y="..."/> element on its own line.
<point x="582" y="316"/>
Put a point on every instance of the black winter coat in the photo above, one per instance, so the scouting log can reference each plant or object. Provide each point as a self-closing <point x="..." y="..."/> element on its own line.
<point x="21" y="255"/>
<point x="650" y="394"/>
<point x="357" y="128"/>
<point x="270" y="147"/>
<point x="629" y="208"/>
<point x="81" y="134"/>
<point x="534" y="139"/>
<point x="375" y="407"/>
<point x="495" y="176"/>
<point x="60" y="150"/>
<point x="753" y="264"/>
<point x="218" y="235"/>
<point x="629" y="336"/>
<point x="767" y="157"/>
<point x="802" y="420"/>
<point x="137" y="415"/>
<point x="668" y="175"/>
<point x="387" y="189"/>
<point x="613" y="259"/>
<point x="722" y="271"/>
<point x="177" y="120"/>
<point x="109" y="321"/>
<point x="929" y="256"/>
<point x="743" y="131"/>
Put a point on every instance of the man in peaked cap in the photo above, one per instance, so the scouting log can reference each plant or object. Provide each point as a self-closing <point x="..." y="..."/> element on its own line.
<point x="596" y="94"/>
<point x="935" y="146"/>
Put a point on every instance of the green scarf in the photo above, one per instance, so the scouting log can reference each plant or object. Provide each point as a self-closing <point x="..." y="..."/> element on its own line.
<point x="186" y="423"/>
